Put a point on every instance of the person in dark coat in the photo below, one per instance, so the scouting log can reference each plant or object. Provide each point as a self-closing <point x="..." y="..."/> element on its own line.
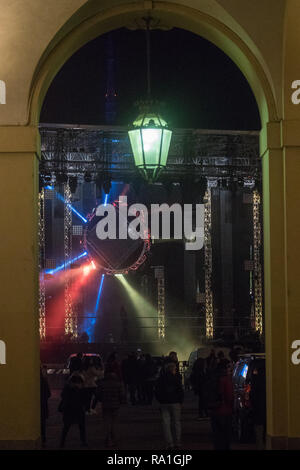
<point x="73" y="408"/>
<point x="112" y="365"/>
<point x="76" y="363"/>
<point x="221" y="413"/>
<point x="111" y="394"/>
<point x="91" y="374"/>
<point x="169" y="393"/>
<point x="45" y="395"/>
<point x="125" y="372"/>
<point x="149" y="377"/>
<point x="211" y="361"/>
<point x="131" y="371"/>
<point x="258" y="404"/>
<point x="172" y="358"/>
<point x="140" y="384"/>
<point x="198" y="380"/>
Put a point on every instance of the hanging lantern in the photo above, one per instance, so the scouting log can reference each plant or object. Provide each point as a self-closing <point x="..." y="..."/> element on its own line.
<point x="150" y="142"/>
<point x="150" y="136"/>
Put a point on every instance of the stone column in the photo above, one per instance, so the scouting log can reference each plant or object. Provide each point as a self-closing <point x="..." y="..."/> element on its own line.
<point x="19" y="327"/>
<point x="281" y="170"/>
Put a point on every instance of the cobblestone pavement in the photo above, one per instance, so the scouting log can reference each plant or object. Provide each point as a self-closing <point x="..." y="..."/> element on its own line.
<point x="139" y="428"/>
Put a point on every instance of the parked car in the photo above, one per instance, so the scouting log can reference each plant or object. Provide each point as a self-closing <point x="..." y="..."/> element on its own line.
<point x="242" y="383"/>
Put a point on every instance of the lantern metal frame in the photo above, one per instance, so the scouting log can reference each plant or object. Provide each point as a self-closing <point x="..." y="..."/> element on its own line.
<point x="149" y="119"/>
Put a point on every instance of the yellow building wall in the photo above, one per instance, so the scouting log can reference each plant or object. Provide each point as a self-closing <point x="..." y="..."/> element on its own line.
<point x="19" y="378"/>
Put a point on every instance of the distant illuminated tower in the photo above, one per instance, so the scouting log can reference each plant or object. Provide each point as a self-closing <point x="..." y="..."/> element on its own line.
<point x="110" y="95"/>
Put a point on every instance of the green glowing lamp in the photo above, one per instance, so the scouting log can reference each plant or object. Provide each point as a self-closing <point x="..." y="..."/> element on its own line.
<point x="150" y="142"/>
<point x="150" y="136"/>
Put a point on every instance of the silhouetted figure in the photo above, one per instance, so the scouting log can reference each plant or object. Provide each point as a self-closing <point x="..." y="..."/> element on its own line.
<point x="169" y="393"/>
<point x="198" y="380"/>
<point x="211" y="360"/>
<point x="112" y="365"/>
<point x="258" y="403"/>
<point x="171" y="358"/>
<point x="76" y="363"/>
<point x="131" y="373"/>
<point x="149" y="377"/>
<point x="111" y="394"/>
<point x="91" y="374"/>
<point x="234" y="354"/>
<point x="124" y="371"/>
<point x="220" y="357"/>
<point x="222" y="407"/>
<point x="139" y="376"/>
<point x="72" y="406"/>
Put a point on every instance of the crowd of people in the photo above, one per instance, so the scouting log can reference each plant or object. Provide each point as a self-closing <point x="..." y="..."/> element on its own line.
<point x="138" y="379"/>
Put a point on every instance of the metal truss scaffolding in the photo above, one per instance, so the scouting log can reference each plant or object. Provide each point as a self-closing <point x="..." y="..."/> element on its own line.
<point x="70" y="316"/>
<point x="209" y="320"/>
<point x="161" y="314"/>
<point x="197" y="152"/>
<point x="258" y="296"/>
<point x="42" y="292"/>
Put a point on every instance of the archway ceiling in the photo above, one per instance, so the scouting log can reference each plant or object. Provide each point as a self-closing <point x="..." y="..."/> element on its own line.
<point x="29" y="31"/>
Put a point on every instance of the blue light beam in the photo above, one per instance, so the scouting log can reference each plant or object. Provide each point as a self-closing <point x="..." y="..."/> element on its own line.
<point x="64" y="265"/>
<point x="61" y="198"/>
<point x="99" y="293"/>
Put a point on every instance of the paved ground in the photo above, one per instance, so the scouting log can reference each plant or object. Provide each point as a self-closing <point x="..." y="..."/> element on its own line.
<point x="139" y="429"/>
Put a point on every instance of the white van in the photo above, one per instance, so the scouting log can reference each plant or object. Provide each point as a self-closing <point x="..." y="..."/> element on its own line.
<point x="203" y="352"/>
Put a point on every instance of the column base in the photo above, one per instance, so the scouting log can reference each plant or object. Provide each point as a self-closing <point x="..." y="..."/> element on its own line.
<point x="282" y="443"/>
<point x="21" y="445"/>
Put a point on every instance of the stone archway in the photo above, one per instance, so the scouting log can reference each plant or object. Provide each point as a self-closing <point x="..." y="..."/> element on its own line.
<point x="168" y="15"/>
<point x="20" y="145"/>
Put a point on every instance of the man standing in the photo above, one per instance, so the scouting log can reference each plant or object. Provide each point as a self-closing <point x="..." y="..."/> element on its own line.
<point x="169" y="393"/>
<point x="221" y="406"/>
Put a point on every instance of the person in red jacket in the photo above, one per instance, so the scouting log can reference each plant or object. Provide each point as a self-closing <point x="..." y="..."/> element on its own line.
<point x="221" y="415"/>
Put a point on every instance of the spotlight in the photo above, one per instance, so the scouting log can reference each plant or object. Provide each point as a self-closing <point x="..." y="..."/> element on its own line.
<point x="48" y="276"/>
<point x="107" y="186"/>
<point x="86" y="270"/>
<point x="45" y="179"/>
<point x="87" y="177"/>
<point x="73" y="184"/>
<point x="61" y="178"/>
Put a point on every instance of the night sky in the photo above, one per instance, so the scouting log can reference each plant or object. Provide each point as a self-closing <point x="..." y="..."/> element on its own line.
<point x="199" y="85"/>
